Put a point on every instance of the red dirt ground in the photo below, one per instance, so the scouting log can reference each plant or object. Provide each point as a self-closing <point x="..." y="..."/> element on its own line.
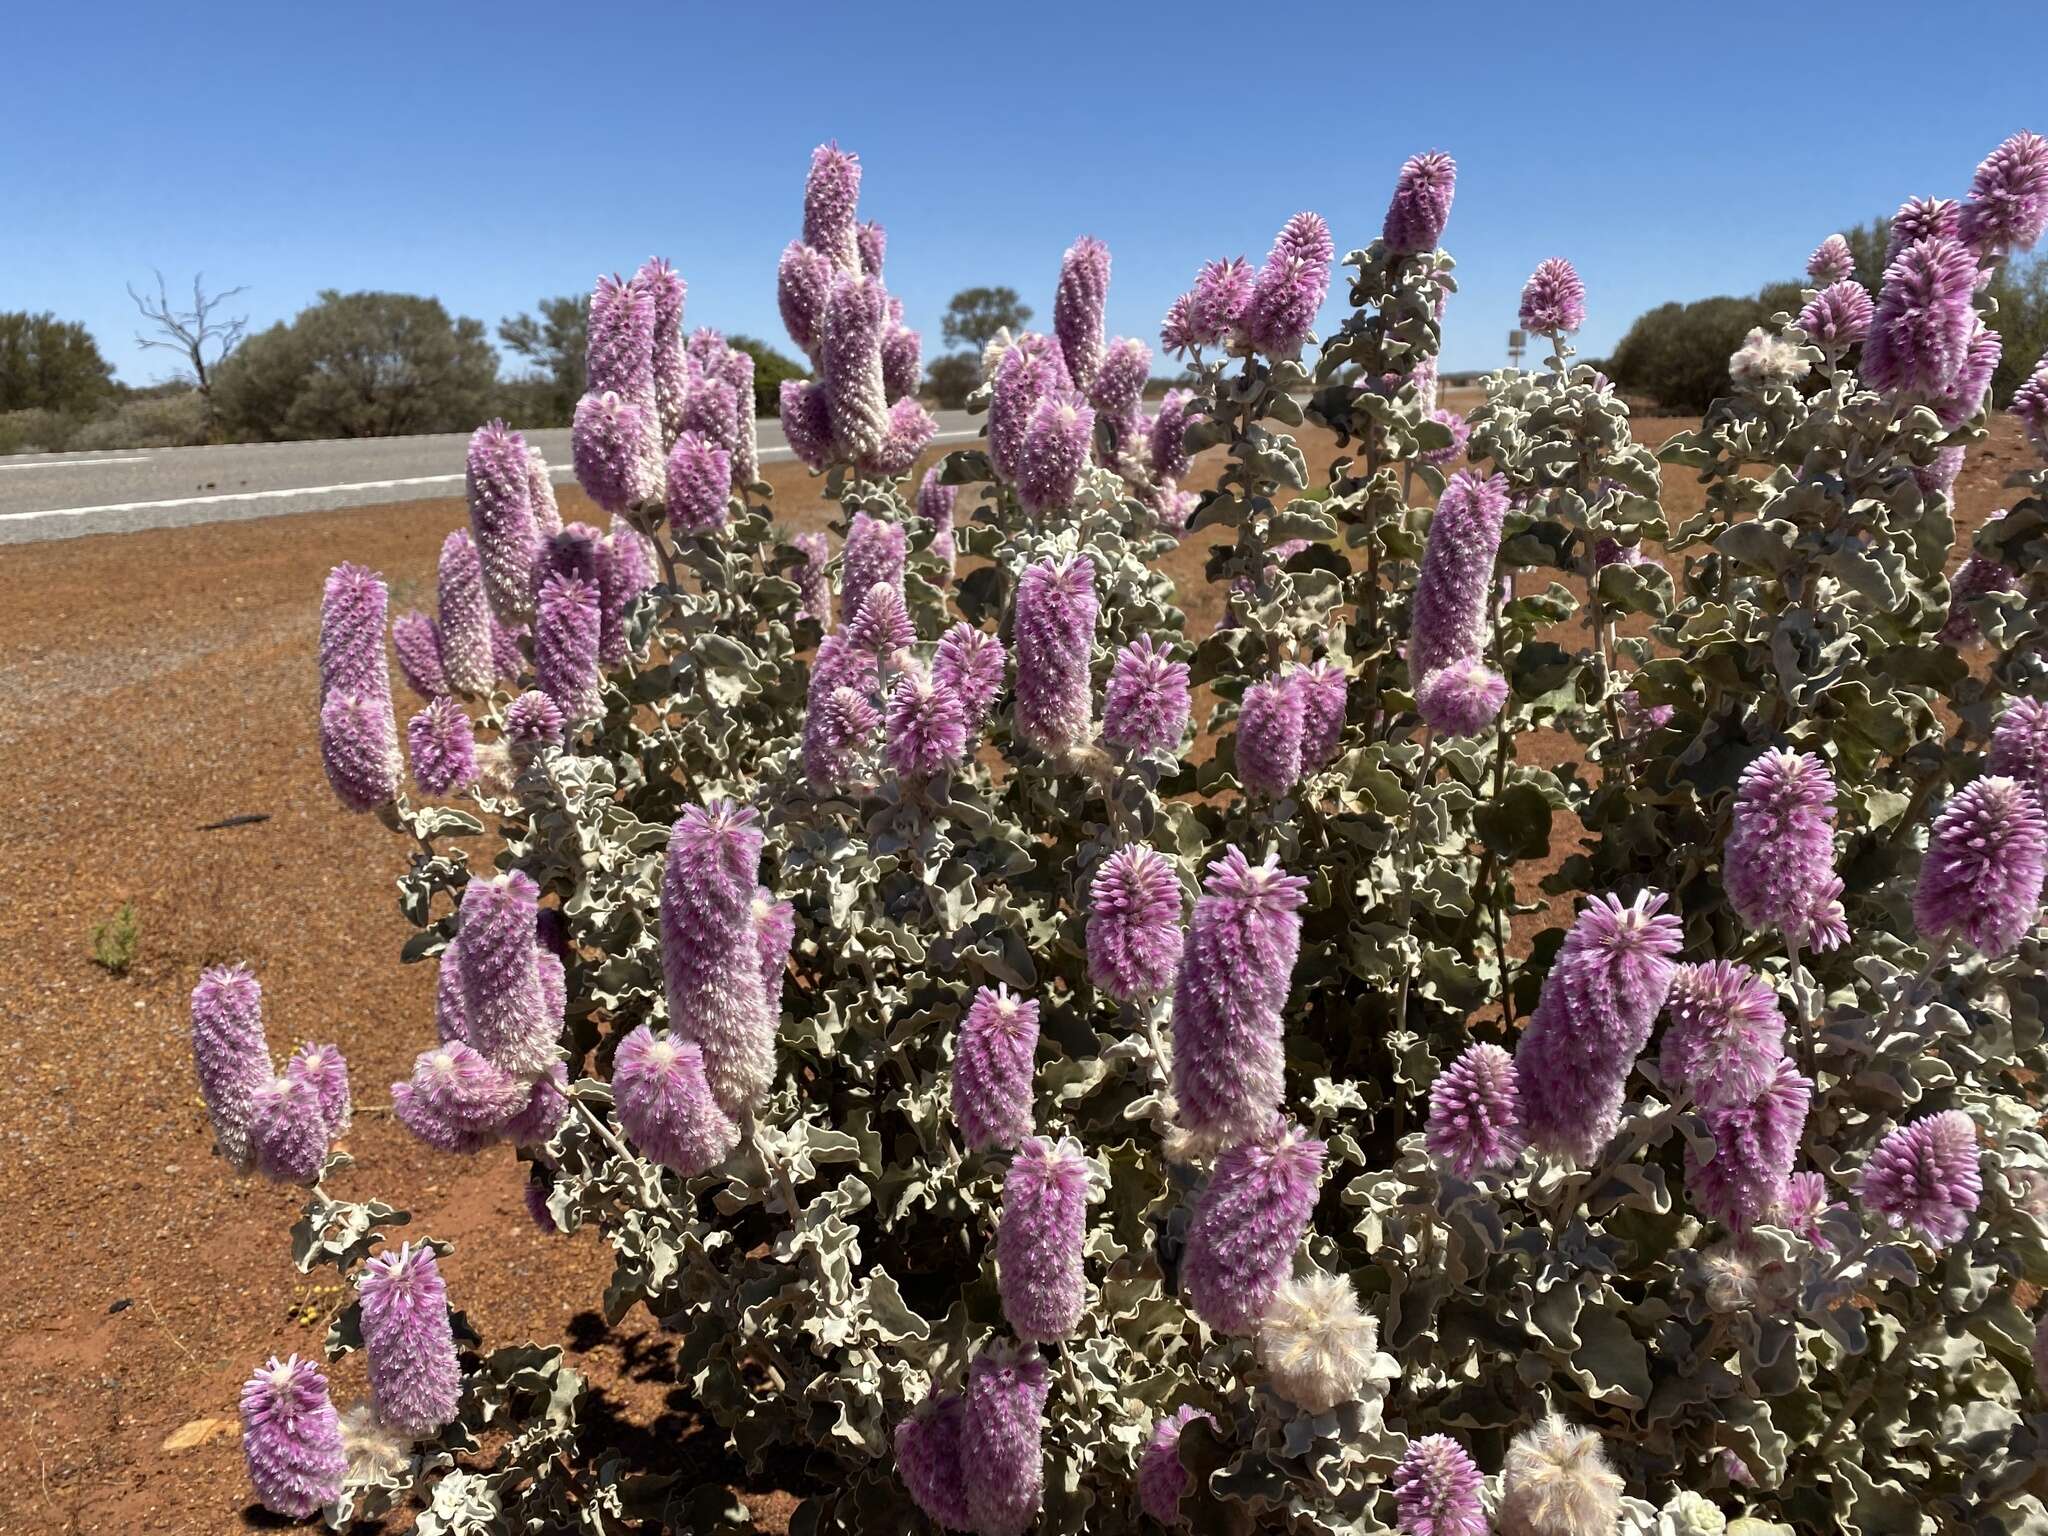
<point x="156" y="682"/>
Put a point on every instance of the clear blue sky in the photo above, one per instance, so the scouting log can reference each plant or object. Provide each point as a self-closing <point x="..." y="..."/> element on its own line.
<point x="490" y="155"/>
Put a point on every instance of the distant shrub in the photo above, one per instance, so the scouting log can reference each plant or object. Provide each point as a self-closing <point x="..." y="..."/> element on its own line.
<point x="147" y="421"/>
<point x="115" y="941"/>
<point x="770" y="369"/>
<point x="1677" y="354"/>
<point x="952" y="378"/>
<point x="36" y="431"/>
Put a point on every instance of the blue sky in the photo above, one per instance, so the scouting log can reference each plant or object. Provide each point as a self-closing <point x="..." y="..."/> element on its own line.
<point x="490" y="155"/>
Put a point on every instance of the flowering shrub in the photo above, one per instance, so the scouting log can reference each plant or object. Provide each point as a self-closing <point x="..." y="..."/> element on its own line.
<point x="1037" y="1121"/>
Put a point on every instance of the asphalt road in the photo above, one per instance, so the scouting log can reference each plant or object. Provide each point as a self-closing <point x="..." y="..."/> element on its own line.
<point x="67" y="495"/>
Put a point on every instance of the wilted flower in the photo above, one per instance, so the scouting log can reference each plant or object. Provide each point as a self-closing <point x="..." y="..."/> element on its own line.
<point x="665" y="1105"/>
<point x="1837" y="317"/>
<point x="1603" y="993"/>
<point x="2008" y="203"/>
<point x="1038" y="1239"/>
<point x="1161" y="1478"/>
<point x="443" y="747"/>
<point x="1778" y="864"/>
<point x="1461" y="697"/>
<point x="1687" y="1513"/>
<point x="1290" y="287"/>
<point x="969" y="662"/>
<point x="291" y="1436"/>
<point x="1134" y="932"/>
<point x="1764" y="359"/>
<point x="1001" y="1439"/>
<point x="1475" y="1116"/>
<point x="1437" y="1490"/>
<point x="1054" y="452"/>
<point x="928" y="1459"/>
<point x="994" y="1059"/>
<point x="1422" y="202"/>
<point x="1981" y="877"/>
<point x="1556" y="1482"/>
<point x="1454" y="592"/>
<point x="229" y="1053"/>
<point x="499" y="484"/>
<point x="1316" y="1343"/>
<point x="709" y="961"/>
<point x="568" y="629"/>
<point x="1055" y="636"/>
<point x="1247" y="1224"/>
<point x="927" y="726"/>
<point x="1554" y="299"/>
<point x="415" y="1380"/>
<point x="1755" y="1144"/>
<point x="1925" y="1177"/>
<point x="1726" y="1035"/>
<point x="1831" y="262"/>
<point x="1920" y="333"/>
<point x="1237" y="965"/>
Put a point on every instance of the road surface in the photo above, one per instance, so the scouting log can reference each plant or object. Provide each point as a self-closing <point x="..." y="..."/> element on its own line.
<point x="66" y="495"/>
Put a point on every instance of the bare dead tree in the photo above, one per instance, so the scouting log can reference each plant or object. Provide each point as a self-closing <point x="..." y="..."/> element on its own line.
<point x="201" y="334"/>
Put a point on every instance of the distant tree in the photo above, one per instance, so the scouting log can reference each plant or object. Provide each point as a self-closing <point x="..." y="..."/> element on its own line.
<point x="951" y="378"/>
<point x="555" y="342"/>
<point x="770" y="369"/>
<point x="976" y="314"/>
<point x="50" y="364"/>
<point x="1677" y="354"/>
<point x="360" y="365"/>
<point x="201" y="335"/>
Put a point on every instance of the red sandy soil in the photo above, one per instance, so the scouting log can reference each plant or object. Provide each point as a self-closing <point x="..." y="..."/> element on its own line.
<point x="156" y="682"/>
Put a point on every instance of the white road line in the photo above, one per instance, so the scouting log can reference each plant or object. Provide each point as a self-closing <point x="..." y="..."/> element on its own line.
<point x="560" y="471"/>
<point x="77" y="463"/>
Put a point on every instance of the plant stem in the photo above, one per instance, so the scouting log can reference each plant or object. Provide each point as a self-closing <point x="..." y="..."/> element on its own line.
<point x="1407" y="902"/>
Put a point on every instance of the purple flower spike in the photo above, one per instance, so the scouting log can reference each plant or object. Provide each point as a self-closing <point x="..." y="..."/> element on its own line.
<point x="1120" y="381"/>
<point x="831" y="198"/>
<point x="466" y="619"/>
<point x="417" y="640"/>
<point x="2008" y="205"/>
<point x="774" y="934"/>
<point x="229" y="1054"/>
<point x="443" y="748"/>
<point x="288" y="1131"/>
<point x="501" y="517"/>
<point x="2019" y="745"/>
<point x="667" y="293"/>
<point x="665" y="1105"/>
<point x="626" y="571"/>
<point x="1162" y="1480"/>
<point x="1554" y="299"/>
<point x="1603" y="993"/>
<point x="568" y="631"/>
<point x="881" y="626"/>
<point x="1475" y="1117"/>
<point x="1247" y="1225"/>
<point x="1077" y="308"/>
<point x="1981" y="877"/>
<point x="1438" y="1490"/>
<point x="1169" y="459"/>
<point x="1038" y="1239"/>
<point x="1831" y="262"/>
<point x="1923" y="218"/>
<point x="969" y="662"/>
<point x="1755" y="1144"/>
<point x="807" y="422"/>
<point x="1325" y="690"/>
<point x="1002" y="1438"/>
<point x="928" y="1459"/>
<point x="291" y="1436"/>
<point x="839" y="731"/>
<point x="1779" y="861"/>
<point x="1145" y="706"/>
<point x="1055" y="451"/>
<point x="415" y="1379"/>
<point x="850" y="361"/>
<point x="911" y="429"/>
<point x="1134" y="925"/>
<point x="1229" y="1054"/>
<point x="545" y="1108"/>
<point x="1177" y="328"/>
<point x="813" y="578"/>
<point x="699" y="484"/>
<point x="1920" y="334"/>
<point x="534" y="720"/>
<point x="901" y="355"/>
<point x="507" y="659"/>
<point x="1220" y="299"/>
<point x="874" y="245"/>
<point x="540" y="490"/>
<point x="1455" y="592"/>
<point x="352" y="609"/>
<point x="1055" y="635"/>
<point x="1030" y="371"/>
<point x="1461" y="434"/>
<point x="620" y="354"/>
<point x="507" y="1013"/>
<point x="609" y="442"/>
<point x="710" y="962"/>
<point x="1269" y="738"/>
<point x="1967" y="393"/>
<point x="1925" y="1177"/>
<point x="803" y="280"/>
<point x="1838" y="317"/>
<point x="927" y="727"/>
<point x="1461" y="698"/>
<point x="1290" y="287"/>
<point x="455" y="1101"/>
<point x="935" y="503"/>
<point x="876" y="551"/>
<point x="994" y="1059"/>
<point x="1726" y="1035"/>
<point x="1422" y="202"/>
<point x="359" y="749"/>
<point x="2030" y="407"/>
